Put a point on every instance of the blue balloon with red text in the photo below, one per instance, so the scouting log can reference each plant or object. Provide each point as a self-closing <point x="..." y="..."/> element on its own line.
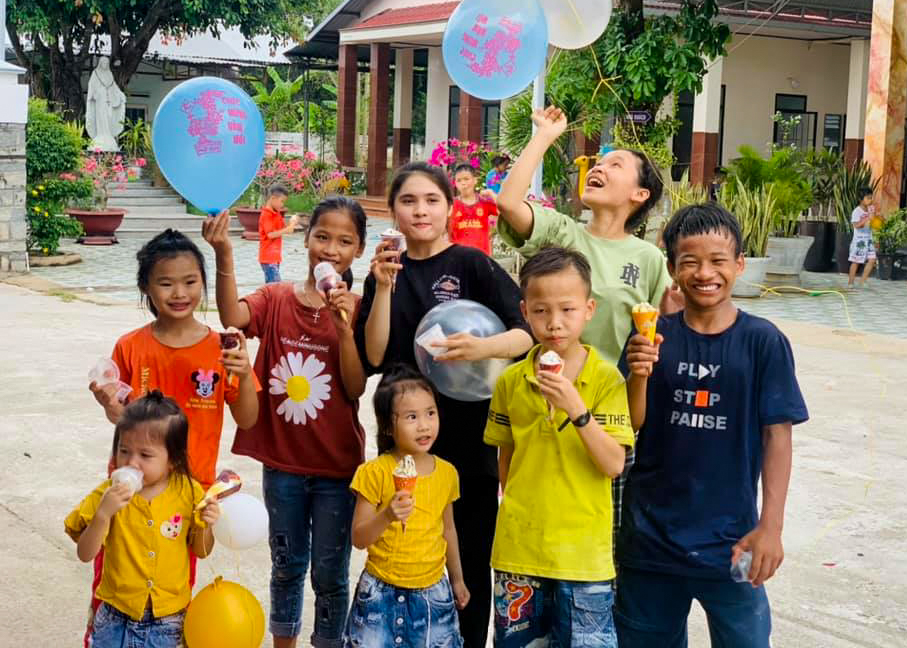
<point x="493" y="49"/>
<point x="208" y="139"/>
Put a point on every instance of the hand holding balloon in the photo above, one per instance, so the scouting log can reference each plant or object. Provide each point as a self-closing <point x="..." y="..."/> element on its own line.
<point x="462" y="347"/>
<point x="216" y="231"/>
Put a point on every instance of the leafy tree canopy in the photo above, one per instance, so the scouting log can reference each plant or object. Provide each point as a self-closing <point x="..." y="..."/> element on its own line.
<point x="54" y="39"/>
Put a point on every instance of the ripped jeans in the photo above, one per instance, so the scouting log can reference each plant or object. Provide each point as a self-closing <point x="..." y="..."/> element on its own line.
<point x="310" y="523"/>
<point x="541" y="612"/>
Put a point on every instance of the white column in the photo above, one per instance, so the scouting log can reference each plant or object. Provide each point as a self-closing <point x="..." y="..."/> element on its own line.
<point x="437" y="99"/>
<point x="403" y="88"/>
<point x="707" y="104"/>
<point x="538" y="101"/>
<point x="857" y="84"/>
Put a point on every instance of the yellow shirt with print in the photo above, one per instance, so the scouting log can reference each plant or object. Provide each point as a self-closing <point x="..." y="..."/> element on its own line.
<point x="416" y="558"/>
<point x="555" y="520"/>
<point x="146" y="551"/>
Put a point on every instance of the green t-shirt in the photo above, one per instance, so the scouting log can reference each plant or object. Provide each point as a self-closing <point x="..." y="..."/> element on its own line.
<point x="625" y="272"/>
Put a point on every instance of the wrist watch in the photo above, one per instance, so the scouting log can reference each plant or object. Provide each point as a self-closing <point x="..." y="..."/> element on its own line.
<point x="582" y="420"/>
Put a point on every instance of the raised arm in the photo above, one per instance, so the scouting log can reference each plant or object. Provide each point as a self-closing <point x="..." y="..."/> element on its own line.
<point x="378" y="324"/>
<point x="550" y="124"/>
<point x="369" y="522"/>
<point x="232" y="311"/>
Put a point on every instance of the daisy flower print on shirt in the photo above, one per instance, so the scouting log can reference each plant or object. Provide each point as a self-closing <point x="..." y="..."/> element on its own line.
<point x="306" y="388"/>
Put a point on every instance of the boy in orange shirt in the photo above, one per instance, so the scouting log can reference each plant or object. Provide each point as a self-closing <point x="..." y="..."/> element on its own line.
<point x="271" y="230"/>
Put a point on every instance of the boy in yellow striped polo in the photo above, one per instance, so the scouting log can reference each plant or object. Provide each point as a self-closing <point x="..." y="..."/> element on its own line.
<point x="561" y="421"/>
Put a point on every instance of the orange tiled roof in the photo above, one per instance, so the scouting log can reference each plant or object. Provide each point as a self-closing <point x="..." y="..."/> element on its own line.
<point x="410" y="15"/>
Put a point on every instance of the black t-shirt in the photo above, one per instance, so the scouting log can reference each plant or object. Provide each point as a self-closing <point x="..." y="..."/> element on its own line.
<point x="691" y="495"/>
<point x="458" y="272"/>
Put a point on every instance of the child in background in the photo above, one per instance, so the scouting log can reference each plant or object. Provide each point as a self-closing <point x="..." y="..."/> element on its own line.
<point x="271" y="230"/>
<point x="553" y="540"/>
<point x="308" y="436"/>
<point x="862" y="248"/>
<point x="470" y="219"/>
<point x="498" y="172"/>
<point x="181" y="357"/>
<point x="716" y="397"/>
<point x="144" y="601"/>
<point x="403" y="584"/>
<point x="400" y="290"/>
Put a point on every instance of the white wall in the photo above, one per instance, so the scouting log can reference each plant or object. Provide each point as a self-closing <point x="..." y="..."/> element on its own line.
<point x="759" y="68"/>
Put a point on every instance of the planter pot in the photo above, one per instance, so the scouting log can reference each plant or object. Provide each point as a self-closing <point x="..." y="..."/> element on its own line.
<point x="248" y="218"/>
<point x="842" y="250"/>
<point x="787" y="256"/>
<point x="886" y="265"/>
<point x="751" y="282"/>
<point x="819" y="256"/>
<point x="100" y="226"/>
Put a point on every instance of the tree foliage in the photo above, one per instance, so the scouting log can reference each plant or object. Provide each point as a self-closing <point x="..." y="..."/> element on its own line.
<point x="54" y="39"/>
<point x="637" y="63"/>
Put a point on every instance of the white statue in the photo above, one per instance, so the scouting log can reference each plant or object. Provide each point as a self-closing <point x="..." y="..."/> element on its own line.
<point x="106" y="108"/>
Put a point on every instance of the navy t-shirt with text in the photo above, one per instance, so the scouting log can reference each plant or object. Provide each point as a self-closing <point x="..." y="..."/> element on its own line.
<point x="691" y="495"/>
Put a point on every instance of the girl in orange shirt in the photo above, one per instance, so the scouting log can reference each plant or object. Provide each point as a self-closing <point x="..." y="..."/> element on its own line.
<point x="181" y="357"/>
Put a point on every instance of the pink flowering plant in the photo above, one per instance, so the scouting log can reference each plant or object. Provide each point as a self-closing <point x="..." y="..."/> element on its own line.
<point x="452" y="152"/>
<point x="307" y="178"/>
<point x="104" y="171"/>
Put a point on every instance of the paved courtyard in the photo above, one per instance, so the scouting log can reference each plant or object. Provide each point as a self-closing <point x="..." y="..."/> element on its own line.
<point x="109" y="273"/>
<point x="844" y="580"/>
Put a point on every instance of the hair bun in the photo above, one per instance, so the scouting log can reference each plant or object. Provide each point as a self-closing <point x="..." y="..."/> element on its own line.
<point x="155" y="395"/>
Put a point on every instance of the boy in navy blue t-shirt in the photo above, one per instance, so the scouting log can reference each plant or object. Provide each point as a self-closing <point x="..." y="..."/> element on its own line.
<point x="714" y="400"/>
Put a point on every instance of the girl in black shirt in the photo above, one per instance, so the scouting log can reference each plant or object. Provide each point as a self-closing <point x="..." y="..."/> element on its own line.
<point x="431" y="271"/>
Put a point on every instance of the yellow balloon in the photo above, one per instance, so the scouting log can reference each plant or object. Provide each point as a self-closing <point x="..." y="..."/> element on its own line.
<point x="876" y="222"/>
<point x="224" y="615"/>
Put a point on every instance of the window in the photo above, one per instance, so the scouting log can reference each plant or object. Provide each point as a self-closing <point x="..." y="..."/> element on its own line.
<point x="683" y="138"/>
<point x="790" y="103"/>
<point x="833" y="133"/>
<point x="453" y="112"/>
<point x="796" y="127"/>
<point x="135" y="113"/>
<point x="491" y="120"/>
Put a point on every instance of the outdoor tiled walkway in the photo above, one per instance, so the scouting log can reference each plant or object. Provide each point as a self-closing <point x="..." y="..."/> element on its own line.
<point x="881" y="307"/>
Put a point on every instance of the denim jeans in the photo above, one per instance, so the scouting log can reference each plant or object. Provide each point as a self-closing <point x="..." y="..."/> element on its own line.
<point x="310" y="521"/>
<point x="569" y="614"/>
<point x="113" y="629"/>
<point x="386" y="616"/>
<point x="652" y="610"/>
<point x="272" y="272"/>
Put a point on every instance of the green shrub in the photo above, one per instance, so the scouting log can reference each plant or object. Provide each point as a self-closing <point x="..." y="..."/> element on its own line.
<point x="45" y="203"/>
<point x="50" y="146"/>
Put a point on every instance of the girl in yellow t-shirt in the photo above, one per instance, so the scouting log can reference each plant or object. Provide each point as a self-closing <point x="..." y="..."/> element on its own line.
<point x="144" y="519"/>
<point x="403" y="596"/>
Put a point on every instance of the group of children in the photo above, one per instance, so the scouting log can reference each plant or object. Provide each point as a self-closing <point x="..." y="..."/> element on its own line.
<point x="707" y="404"/>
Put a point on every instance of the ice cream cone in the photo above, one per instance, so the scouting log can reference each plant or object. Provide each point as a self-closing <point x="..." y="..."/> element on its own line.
<point x="405" y="476"/>
<point x="227" y="483"/>
<point x="551" y="361"/>
<point x="645" y="317"/>
<point x="394" y="240"/>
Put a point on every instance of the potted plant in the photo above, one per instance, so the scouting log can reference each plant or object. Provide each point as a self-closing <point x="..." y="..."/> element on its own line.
<point x="848" y="184"/>
<point x="99" y="221"/>
<point x="890" y="237"/>
<point x="820" y="169"/>
<point x="135" y="141"/>
<point x="306" y="178"/>
<point x="755" y="209"/>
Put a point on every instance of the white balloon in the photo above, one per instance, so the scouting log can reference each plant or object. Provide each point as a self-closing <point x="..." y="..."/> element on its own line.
<point x="575" y="23"/>
<point x="243" y="521"/>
